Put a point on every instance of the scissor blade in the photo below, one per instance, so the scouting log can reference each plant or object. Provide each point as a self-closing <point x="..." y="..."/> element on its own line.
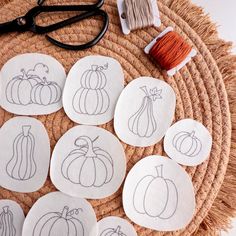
<point x="9" y="27"/>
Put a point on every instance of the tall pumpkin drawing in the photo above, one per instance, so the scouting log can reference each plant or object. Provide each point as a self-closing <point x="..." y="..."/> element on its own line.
<point x="7" y="227"/>
<point x="143" y="122"/>
<point x="88" y="166"/>
<point x="156" y="188"/>
<point x="187" y="144"/>
<point x="59" y="223"/>
<point x="46" y="93"/>
<point x="22" y="165"/>
<point x="92" y="98"/>
<point x="18" y="90"/>
<point x="113" y="232"/>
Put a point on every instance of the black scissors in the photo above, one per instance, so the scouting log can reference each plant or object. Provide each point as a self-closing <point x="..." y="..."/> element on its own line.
<point x="28" y="22"/>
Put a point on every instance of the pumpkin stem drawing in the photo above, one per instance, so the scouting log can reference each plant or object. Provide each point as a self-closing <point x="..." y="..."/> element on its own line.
<point x="22" y="165"/>
<point x="7" y="227"/>
<point x="92" y="98"/>
<point x="187" y="143"/>
<point x="156" y="196"/>
<point x="143" y="122"/>
<point x="59" y="223"/>
<point x="88" y="165"/>
<point x="113" y="232"/>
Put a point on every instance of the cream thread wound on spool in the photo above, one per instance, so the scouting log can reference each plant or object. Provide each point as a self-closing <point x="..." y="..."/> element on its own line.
<point x="170" y="51"/>
<point x="138" y="14"/>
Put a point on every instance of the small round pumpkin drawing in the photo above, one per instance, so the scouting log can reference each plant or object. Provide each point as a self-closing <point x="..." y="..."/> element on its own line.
<point x="59" y="223"/>
<point x="113" y="232"/>
<point x="46" y="93"/>
<point x="187" y="144"/>
<point x="156" y="188"/>
<point x="87" y="165"/>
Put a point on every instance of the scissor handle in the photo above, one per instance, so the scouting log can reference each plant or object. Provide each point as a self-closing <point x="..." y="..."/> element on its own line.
<point x="79" y="18"/>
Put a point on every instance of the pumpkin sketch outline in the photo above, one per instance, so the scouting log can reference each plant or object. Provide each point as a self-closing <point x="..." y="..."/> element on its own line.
<point x="113" y="232"/>
<point x="146" y="108"/>
<point x="7" y="229"/>
<point x="166" y="211"/>
<point x="15" y="167"/>
<point x="81" y="158"/>
<point x="179" y="140"/>
<point x="92" y="91"/>
<point x="54" y="217"/>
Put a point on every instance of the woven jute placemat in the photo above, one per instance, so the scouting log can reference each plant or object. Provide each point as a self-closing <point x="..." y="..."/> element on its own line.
<point x="205" y="90"/>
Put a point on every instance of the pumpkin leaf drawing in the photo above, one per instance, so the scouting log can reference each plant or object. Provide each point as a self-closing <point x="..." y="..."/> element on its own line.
<point x="7" y="227"/>
<point x="88" y="165"/>
<point x="187" y="143"/>
<point x="113" y="232"/>
<point x="38" y="70"/>
<point x="143" y="122"/>
<point x="75" y="212"/>
<point x="59" y="223"/>
<point x="92" y="98"/>
<point x="22" y="165"/>
<point x="157" y="187"/>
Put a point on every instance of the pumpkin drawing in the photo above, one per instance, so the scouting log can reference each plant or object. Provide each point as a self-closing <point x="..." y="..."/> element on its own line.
<point x="88" y="166"/>
<point x="92" y="98"/>
<point x="7" y="227"/>
<point x="187" y="144"/>
<point x="46" y="93"/>
<point x="18" y="90"/>
<point x="159" y="196"/>
<point x="22" y="165"/>
<point x="113" y="232"/>
<point x="143" y="122"/>
<point x="59" y="223"/>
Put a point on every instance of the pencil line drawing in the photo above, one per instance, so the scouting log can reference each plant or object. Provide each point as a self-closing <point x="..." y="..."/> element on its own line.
<point x="113" y="232"/>
<point x="92" y="98"/>
<point x="7" y="227"/>
<point x="22" y="165"/>
<point x="88" y="165"/>
<point x="156" y="188"/>
<point x="60" y="223"/>
<point x="187" y="143"/>
<point x="32" y="87"/>
<point x="143" y="122"/>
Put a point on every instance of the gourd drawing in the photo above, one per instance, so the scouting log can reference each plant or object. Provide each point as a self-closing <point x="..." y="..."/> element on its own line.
<point x="187" y="144"/>
<point x="143" y="122"/>
<point x="113" y="232"/>
<point x="6" y="223"/>
<point x="59" y="223"/>
<point x="46" y="93"/>
<point x="18" y="90"/>
<point x="22" y="165"/>
<point x="156" y="196"/>
<point x="92" y="98"/>
<point x="88" y="166"/>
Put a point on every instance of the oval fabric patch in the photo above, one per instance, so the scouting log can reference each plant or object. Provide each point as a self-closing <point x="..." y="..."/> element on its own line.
<point x="25" y="154"/>
<point x="88" y="162"/>
<point x="58" y="214"/>
<point x="159" y="194"/>
<point x="92" y="89"/>
<point x="32" y="84"/>
<point x="144" y="112"/>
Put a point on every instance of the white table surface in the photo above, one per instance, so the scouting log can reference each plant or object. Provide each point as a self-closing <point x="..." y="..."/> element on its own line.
<point x="223" y="12"/>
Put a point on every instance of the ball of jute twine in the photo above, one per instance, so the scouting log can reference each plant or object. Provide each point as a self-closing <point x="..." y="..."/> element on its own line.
<point x="205" y="91"/>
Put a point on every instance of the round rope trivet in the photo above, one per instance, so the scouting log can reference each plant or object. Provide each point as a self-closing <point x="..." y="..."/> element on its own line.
<point x="201" y="88"/>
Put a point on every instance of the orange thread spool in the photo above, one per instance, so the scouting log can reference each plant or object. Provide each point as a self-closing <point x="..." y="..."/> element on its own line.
<point x="170" y="50"/>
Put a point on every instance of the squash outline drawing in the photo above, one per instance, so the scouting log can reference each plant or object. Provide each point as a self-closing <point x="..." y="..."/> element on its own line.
<point x="148" y="180"/>
<point x="89" y="90"/>
<point x="12" y="165"/>
<point x="66" y="215"/>
<point x="146" y="106"/>
<point x="87" y="151"/>
<point x="182" y="136"/>
<point x="7" y="229"/>
<point x="113" y="232"/>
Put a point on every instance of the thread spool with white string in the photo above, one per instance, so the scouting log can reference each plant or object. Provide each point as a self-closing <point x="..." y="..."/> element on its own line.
<point x="138" y="14"/>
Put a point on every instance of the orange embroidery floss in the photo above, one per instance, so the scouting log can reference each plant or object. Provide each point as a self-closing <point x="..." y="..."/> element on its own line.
<point x="170" y="50"/>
